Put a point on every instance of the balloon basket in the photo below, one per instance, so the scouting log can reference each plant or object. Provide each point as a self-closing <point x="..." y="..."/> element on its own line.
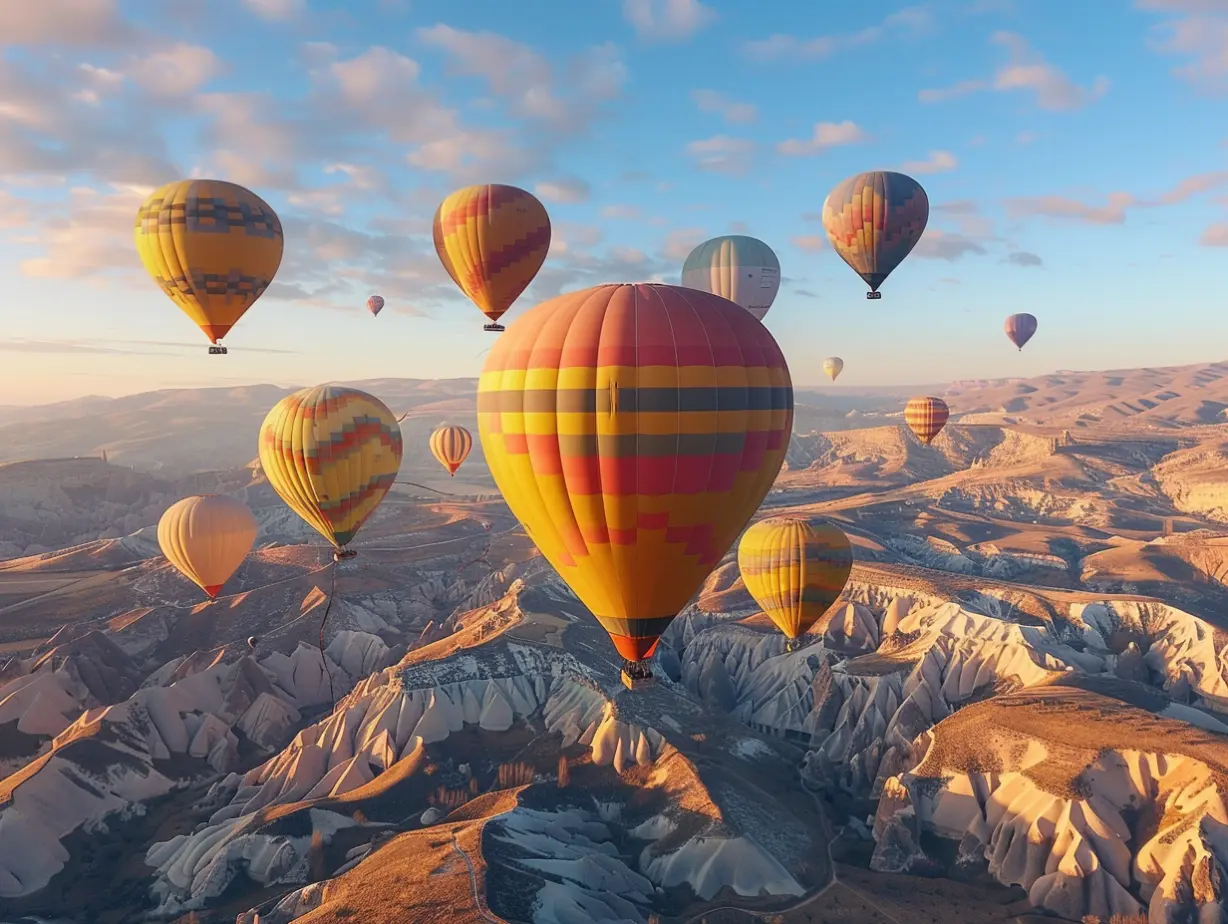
<point x="638" y="682"/>
<point x="497" y="328"/>
<point x="874" y="295"/>
<point x="344" y="554"/>
<point x="216" y="350"/>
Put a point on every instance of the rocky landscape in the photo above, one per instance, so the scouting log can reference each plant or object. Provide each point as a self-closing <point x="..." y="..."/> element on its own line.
<point x="1017" y="711"/>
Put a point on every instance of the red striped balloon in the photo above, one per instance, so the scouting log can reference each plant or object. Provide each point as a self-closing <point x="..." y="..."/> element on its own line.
<point x="451" y="445"/>
<point x="926" y="417"/>
<point x="634" y="430"/>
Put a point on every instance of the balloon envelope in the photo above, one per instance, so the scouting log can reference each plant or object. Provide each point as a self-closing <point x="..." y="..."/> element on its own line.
<point x="492" y="240"/>
<point x="206" y="537"/>
<point x="375" y="304"/>
<point x="874" y="220"/>
<point x="634" y="430"/>
<point x="331" y="453"/>
<point x="252" y="641"/>
<point x="1020" y="328"/>
<point x="739" y="268"/>
<point x="451" y="445"/>
<point x="795" y="571"/>
<point x="212" y="247"/>
<point x="833" y="366"/>
<point x="926" y="417"/>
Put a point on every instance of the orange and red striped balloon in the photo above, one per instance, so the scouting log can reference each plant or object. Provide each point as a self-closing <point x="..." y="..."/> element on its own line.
<point x="451" y="445"/>
<point x="492" y="240"/>
<point x="926" y="417"/>
<point x="634" y="430"/>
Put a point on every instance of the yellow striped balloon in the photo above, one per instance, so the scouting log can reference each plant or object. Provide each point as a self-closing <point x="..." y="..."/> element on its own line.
<point x="212" y="247"/>
<point x="451" y="445"/>
<point x="332" y="453"/>
<point x="206" y="537"/>
<point x="794" y="570"/>
<point x="926" y="416"/>
<point x="492" y="240"/>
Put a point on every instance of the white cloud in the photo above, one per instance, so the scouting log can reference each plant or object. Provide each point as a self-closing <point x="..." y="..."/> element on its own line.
<point x="63" y="22"/>
<point x="937" y="244"/>
<point x="621" y="211"/>
<point x="825" y="135"/>
<point x="1026" y="70"/>
<point x="811" y="243"/>
<point x="1215" y="236"/>
<point x="177" y="70"/>
<point x="955" y="91"/>
<point x="937" y="162"/>
<point x="680" y="242"/>
<point x="667" y="20"/>
<point x="527" y="80"/>
<point x="1029" y="71"/>
<point x="276" y="10"/>
<point x="564" y="189"/>
<point x="723" y="154"/>
<point x="729" y="110"/>
<point x="908" y="22"/>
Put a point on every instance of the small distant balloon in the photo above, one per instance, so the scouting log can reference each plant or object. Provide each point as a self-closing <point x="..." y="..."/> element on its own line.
<point x="375" y="304"/>
<point x="833" y="366"/>
<point x="252" y="641"/>
<point x="1020" y="328"/>
<point x="926" y="416"/>
<point x="450" y="446"/>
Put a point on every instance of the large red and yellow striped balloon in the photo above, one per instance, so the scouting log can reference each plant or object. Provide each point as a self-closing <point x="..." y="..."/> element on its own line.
<point x="926" y="417"/>
<point x="332" y="453"/>
<point x="874" y="220"/>
<point x="492" y="240"/>
<point x="451" y="445"/>
<point x="634" y="430"/>
<point x="795" y="570"/>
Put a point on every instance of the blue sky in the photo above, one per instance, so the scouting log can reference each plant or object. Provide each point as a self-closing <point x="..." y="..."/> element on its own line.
<point x="1074" y="155"/>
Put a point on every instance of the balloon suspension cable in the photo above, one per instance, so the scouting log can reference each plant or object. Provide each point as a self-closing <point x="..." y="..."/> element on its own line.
<point x="337" y="557"/>
<point x="428" y="488"/>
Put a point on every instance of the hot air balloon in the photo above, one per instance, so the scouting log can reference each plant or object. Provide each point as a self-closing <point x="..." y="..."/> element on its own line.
<point x="332" y="453"/>
<point x="794" y="570"/>
<point x="451" y="445"/>
<point x="833" y="366"/>
<point x="633" y="431"/>
<point x="873" y="221"/>
<point x="1020" y="328"/>
<point x="375" y="304"/>
<point x="206" y="537"/>
<point x="926" y="417"/>
<point x="741" y="269"/>
<point x="252" y="641"/>
<point x="213" y="248"/>
<point x="492" y="240"/>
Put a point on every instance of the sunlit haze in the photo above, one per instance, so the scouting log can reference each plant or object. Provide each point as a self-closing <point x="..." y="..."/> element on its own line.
<point x="1075" y="165"/>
